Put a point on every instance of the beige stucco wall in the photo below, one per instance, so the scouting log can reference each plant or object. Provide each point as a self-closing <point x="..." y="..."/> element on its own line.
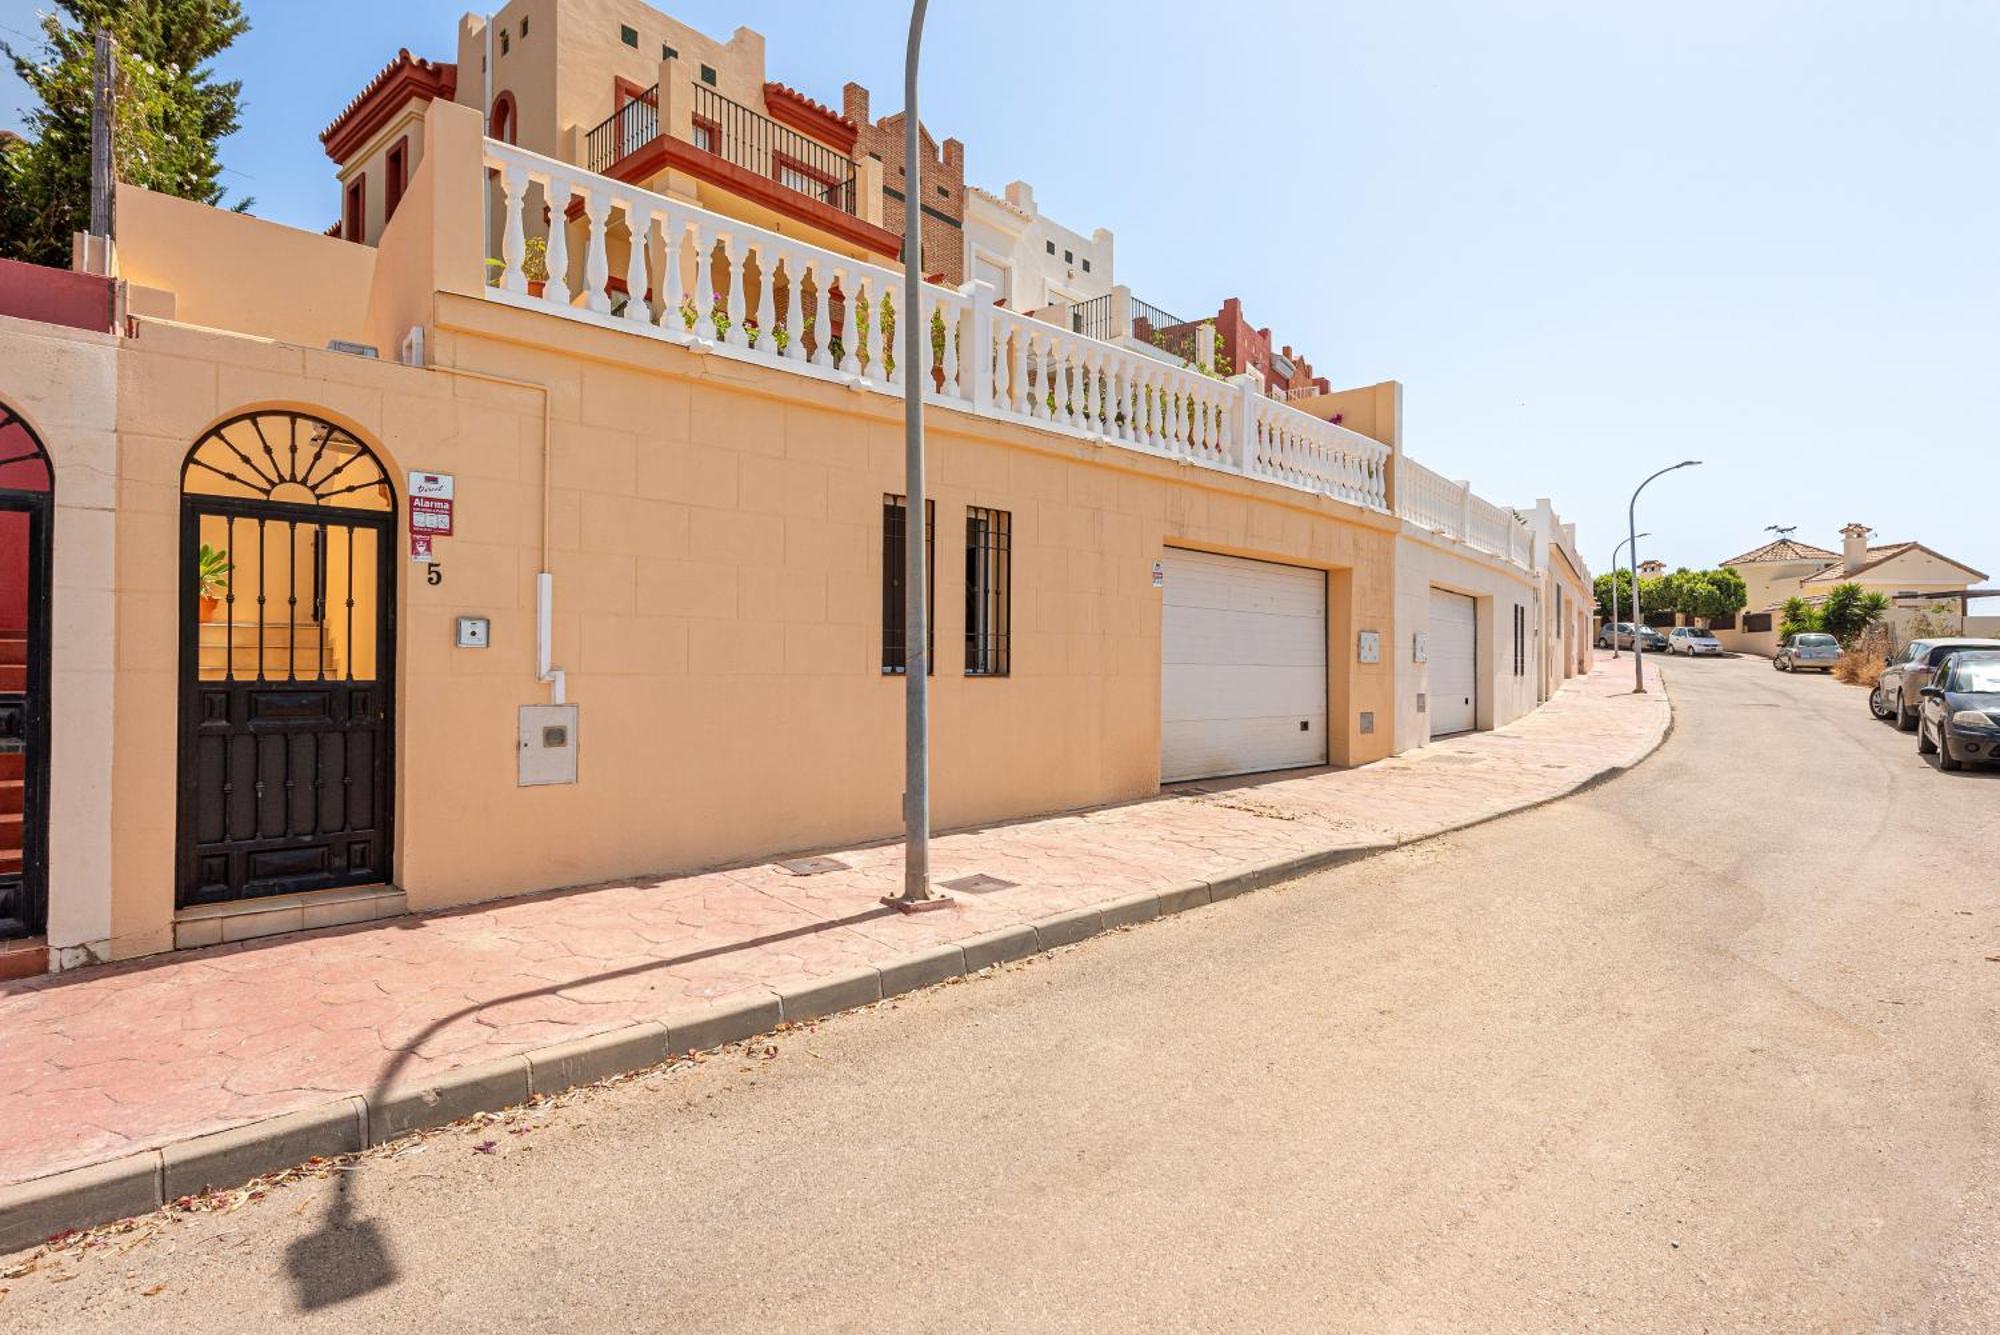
<point x="231" y="271"/>
<point x="63" y="383"/>
<point x="1425" y="561"/>
<point x="715" y="542"/>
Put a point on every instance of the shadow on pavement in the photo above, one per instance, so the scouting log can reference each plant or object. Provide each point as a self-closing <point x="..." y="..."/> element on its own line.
<point x="348" y="1254"/>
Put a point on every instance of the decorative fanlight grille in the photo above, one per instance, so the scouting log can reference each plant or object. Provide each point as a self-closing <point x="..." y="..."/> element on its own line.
<point x="288" y="457"/>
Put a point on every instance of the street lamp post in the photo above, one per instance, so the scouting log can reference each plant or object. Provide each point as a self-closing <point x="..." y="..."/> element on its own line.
<point x="1632" y="523"/>
<point x="1610" y="633"/>
<point x="916" y="602"/>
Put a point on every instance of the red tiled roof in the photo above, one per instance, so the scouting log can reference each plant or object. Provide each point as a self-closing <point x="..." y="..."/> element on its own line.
<point x="1879" y="554"/>
<point x="401" y="79"/>
<point x="789" y="106"/>
<point x="1784" y="549"/>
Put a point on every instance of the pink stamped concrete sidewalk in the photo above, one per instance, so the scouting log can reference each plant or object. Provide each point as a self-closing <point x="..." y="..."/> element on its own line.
<point x="109" y="1061"/>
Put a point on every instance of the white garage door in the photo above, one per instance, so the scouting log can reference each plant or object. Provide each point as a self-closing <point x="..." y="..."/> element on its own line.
<point x="1242" y="667"/>
<point x="1454" y="659"/>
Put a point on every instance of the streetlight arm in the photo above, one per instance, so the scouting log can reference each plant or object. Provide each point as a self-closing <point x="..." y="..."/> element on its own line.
<point x="1632" y="523"/>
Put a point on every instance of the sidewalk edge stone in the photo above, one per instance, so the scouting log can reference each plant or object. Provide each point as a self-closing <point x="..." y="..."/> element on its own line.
<point x="225" y="1158"/>
<point x="32" y="1211"/>
<point x="924" y="969"/>
<point x="998" y="947"/>
<point x="829" y="996"/>
<point x="1063" y="929"/>
<point x="1181" y="898"/>
<point x="728" y="1021"/>
<point x="483" y="1087"/>
<point x="585" y="1061"/>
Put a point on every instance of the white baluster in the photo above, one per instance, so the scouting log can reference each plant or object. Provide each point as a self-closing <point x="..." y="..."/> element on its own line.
<point x="704" y="284"/>
<point x="767" y="299"/>
<point x="850" y="315"/>
<point x="597" y="253"/>
<point x="823" y="319"/>
<point x="673" y="240"/>
<point x="954" y="330"/>
<point x="513" y="238"/>
<point x="1003" y="356"/>
<point x="1045" y="360"/>
<point x="1016" y="357"/>
<point x="556" y="289"/>
<point x="736" y="264"/>
<point x="1086" y="390"/>
<point x="639" y="236"/>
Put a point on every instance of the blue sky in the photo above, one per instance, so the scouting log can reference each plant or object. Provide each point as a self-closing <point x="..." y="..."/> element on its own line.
<point x="1589" y="238"/>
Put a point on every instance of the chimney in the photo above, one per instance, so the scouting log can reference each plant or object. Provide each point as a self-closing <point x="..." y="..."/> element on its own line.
<point x="1854" y="545"/>
<point x="954" y="159"/>
<point x="854" y="103"/>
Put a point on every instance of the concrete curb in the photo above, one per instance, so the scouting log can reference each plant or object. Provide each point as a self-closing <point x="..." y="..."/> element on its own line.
<point x="33" y="1211"/>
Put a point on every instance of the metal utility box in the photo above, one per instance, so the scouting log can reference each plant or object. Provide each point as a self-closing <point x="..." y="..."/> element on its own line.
<point x="548" y="744"/>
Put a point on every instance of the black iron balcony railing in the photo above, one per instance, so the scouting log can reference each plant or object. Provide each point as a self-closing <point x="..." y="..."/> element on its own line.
<point x="1093" y="319"/>
<point x="754" y="141"/>
<point x="734" y="133"/>
<point x="625" y="131"/>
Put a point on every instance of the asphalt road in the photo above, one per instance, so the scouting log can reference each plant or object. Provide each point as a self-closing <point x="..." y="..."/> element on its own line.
<point x="1709" y="1047"/>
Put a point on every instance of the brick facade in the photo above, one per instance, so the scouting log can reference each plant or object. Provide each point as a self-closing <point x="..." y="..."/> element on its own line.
<point x="1249" y="348"/>
<point x="943" y="184"/>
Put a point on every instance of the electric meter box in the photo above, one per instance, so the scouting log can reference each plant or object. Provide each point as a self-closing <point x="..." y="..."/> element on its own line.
<point x="548" y="744"/>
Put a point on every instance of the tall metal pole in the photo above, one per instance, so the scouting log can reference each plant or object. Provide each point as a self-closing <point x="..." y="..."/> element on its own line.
<point x="916" y="604"/>
<point x="1611" y="622"/>
<point x="1632" y="523"/>
<point x="103" y="172"/>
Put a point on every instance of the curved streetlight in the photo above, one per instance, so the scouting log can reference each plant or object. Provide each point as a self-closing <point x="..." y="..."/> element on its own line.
<point x="916" y="603"/>
<point x="1610" y="622"/>
<point x="1632" y="523"/>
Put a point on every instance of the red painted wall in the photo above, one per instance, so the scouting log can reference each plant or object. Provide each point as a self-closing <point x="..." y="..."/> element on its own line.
<point x="54" y="296"/>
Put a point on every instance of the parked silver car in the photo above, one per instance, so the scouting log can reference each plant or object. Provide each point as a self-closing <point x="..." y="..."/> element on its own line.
<point x="1897" y="692"/>
<point x="1692" y="640"/>
<point x="1808" y="649"/>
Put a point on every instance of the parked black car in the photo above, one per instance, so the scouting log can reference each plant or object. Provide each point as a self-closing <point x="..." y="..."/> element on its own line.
<point x="1895" y="694"/>
<point x="1960" y="715"/>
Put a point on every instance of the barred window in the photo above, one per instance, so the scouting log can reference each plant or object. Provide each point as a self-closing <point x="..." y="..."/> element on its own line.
<point x="989" y="591"/>
<point x="894" y="629"/>
<point x="1520" y="640"/>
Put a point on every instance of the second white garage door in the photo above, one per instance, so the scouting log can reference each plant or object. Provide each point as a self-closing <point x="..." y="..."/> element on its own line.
<point x="1242" y="667"/>
<point x="1454" y="658"/>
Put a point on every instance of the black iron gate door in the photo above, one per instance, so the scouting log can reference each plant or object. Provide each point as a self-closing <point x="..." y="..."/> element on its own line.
<point x="287" y="639"/>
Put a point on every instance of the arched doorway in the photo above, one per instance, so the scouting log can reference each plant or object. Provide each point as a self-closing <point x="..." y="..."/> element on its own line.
<point x="25" y="519"/>
<point x="287" y="593"/>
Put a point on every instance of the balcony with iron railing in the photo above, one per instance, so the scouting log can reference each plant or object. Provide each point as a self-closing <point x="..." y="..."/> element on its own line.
<point x="734" y="133"/>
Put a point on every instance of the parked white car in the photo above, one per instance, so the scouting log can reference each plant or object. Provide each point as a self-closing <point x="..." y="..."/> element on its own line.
<point x="1692" y="640"/>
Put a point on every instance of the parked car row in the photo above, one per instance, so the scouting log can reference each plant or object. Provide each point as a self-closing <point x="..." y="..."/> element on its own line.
<point x="1693" y="641"/>
<point x="1948" y="693"/>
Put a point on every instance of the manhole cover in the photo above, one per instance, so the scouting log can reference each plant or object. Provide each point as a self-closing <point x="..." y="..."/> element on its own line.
<point x="982" y="884"/>
<point x="812" y="866"/>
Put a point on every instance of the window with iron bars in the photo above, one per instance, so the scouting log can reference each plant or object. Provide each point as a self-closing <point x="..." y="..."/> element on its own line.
<point x="895" y="634"/>
<point x="1520" y="640"/>
<point x="989" y="592"/>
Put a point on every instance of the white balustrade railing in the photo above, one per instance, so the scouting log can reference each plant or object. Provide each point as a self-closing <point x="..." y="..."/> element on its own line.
<point x="1431" y="500"/>
<point x="704" y="280"/>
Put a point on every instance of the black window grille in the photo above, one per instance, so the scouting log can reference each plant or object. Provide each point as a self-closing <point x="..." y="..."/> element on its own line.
<point x="895" y="636"/>
<point x="1086" y="264"/>
<point x="1756" y="621"/>
<point x="989" y="592"/>
<point x="1520" y="640"/>
<point x="1051" y="245"/>
<point x="628" y="35"/>
<point x="708" y="75"/>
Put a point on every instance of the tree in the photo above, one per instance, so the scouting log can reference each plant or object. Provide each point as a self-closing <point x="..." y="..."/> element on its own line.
<point x="1705" y="594"/>
<point x="1797" y="617"/>
<point x="170" y="114"/>
<point x="1652" y="595"/>
<point x="1848" y="611"/>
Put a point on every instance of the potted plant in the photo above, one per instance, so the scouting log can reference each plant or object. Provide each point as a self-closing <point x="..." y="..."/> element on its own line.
<point x="212" y="576"/>
<point x="534" y="267"/>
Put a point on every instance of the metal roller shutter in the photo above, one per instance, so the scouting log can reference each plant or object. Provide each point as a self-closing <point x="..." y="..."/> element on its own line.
<point x="1242" y="667"/>
<point x="1454" y="662"/>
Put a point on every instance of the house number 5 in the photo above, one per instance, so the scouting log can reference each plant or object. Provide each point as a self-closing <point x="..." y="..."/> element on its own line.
<point x="434" y="574"/>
